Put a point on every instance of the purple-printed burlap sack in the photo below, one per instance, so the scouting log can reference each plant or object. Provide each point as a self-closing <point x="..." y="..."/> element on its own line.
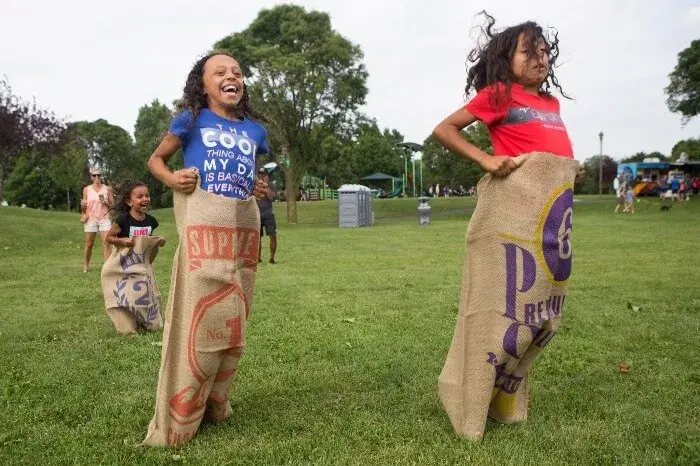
<point x="129" y="286"/>
<point x="516" y="273"/>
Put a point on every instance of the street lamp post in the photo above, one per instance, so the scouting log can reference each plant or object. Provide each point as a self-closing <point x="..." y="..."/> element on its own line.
<point x="405" y="173"/>
<point x="418" y="157"/>
<point x="600" y="166"/>
<point x="413" y="162"/>
<point x="421" y="174"/>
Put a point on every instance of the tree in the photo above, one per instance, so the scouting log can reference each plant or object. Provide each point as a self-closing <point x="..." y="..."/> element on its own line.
<point x="640" y="156"/>
<point x="305" y="78"/>
<point x="347" y="159"/>
<point x="335" y="164"/>
<point x="448" y="168"/>
<point x="30" y="184"/>
<point x="688" y="146"/>
<point x="111" y="148"/>
<point x="684" y="89"/>
<point x="151" y="126"/>
<point x="590" y="182"/>
<point x="67" y="169"/>
<point x="375" y="151"/>
<point x="23" y="126"/>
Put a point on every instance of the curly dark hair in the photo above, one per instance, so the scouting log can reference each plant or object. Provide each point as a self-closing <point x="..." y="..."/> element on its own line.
<point x="194" y="99"/>
<point x="490" y="62"/>
<point x="122" y="193"/>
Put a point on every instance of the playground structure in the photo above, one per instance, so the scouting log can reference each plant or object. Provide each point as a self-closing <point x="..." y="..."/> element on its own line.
<point x="398" y="189"/>
<point x="322" y="194"/>
<point x="379" y="179"/>
<point x="316" y="188"/>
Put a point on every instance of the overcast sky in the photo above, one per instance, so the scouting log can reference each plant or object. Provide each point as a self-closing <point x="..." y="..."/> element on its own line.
<point x="91" y="59"/>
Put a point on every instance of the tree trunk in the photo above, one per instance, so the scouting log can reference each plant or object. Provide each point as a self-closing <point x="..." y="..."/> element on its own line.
<point x="68" y="197"/>
<point x="291" y="189"/>
<point x="291" y="186"/>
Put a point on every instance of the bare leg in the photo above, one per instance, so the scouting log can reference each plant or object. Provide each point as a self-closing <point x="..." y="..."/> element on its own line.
<point x="273" y="248"/>
<point x="105" y="247"/>
<point x="89" y="243"/>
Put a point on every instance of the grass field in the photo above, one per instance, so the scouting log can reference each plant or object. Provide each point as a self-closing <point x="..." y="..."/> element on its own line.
<point x="348" y="335"/>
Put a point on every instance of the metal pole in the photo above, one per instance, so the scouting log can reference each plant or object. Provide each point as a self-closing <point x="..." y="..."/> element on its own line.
<point x="600" y="166"/>
<point x="405" y="174"/>
<point x="421" y="175"/>
<point x="413" y="162"/>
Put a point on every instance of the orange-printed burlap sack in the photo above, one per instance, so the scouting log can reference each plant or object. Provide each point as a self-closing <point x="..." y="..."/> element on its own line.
<point x="516" y="275"/>
<point x="129" y="286"/>
<point x="211" y="294"/>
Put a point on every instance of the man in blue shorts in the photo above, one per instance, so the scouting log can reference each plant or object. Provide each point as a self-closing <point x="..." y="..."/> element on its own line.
<point x="267" y="218"/>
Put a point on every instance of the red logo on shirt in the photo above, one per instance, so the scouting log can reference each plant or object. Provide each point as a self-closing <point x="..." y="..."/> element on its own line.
<point x="139" y="231"/>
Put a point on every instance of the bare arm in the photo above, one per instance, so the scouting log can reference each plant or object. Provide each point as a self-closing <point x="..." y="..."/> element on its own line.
<point x="181" y="180"/>
<point x="83" y="201"/>
<point x="109" y="202"/>
<point x="448" y="134"/>
<point x="112" y="237"/>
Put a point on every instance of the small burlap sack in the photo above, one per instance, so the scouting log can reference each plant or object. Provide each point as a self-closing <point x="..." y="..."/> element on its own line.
<point x="211" y="294"/>
<point x="516" y="272"/>
<point x="129" y="286"/>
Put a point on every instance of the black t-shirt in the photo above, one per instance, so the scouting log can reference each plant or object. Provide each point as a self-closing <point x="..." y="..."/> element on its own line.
<point x="265" y="206"/>
<point x="130" y="227"/>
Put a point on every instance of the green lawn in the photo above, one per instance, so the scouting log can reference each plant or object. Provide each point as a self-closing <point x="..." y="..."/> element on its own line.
<point x="347" y="338"/>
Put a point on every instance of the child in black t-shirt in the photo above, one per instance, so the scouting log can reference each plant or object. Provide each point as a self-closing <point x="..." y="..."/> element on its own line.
<point x="129" y="217"/>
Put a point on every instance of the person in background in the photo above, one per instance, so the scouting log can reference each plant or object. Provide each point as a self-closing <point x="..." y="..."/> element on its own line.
<point x="630" y="200"/>
<point x="267" y="217"/>
<point x="663" y="185"/>
<point x="96" y="202"/>
<point x="675" y="185"/>
<point x="620" y="199"/>
<point x="682" y="189"/>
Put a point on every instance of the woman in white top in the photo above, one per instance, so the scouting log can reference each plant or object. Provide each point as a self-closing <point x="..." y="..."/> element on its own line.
<point x="96" y="202"/>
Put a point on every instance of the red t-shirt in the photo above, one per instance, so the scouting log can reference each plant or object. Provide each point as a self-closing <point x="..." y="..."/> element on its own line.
<point x="521" y="123"/>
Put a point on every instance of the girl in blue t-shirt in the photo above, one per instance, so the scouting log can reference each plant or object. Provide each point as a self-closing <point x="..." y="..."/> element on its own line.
<point x="220" y="140"/>
<point x="216" y="132"/>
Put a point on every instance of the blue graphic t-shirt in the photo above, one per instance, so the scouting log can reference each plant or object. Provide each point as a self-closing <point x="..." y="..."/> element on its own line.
<point x="222" y="150"/>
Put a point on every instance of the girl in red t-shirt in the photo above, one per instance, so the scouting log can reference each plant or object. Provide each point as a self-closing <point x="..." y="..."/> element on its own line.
<point x="512" y="75"/>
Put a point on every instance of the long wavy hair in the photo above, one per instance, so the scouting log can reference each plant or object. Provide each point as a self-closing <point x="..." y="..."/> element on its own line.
<point x="122" y="194"/>
<point x="490" y="61"/>
<point x="194" y="99"/>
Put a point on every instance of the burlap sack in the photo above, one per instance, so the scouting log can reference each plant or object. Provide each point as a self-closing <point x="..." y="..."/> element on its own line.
<point x="516" y="271"/>
<point x="129" y="286"/>
<point x="211" y="294"/>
